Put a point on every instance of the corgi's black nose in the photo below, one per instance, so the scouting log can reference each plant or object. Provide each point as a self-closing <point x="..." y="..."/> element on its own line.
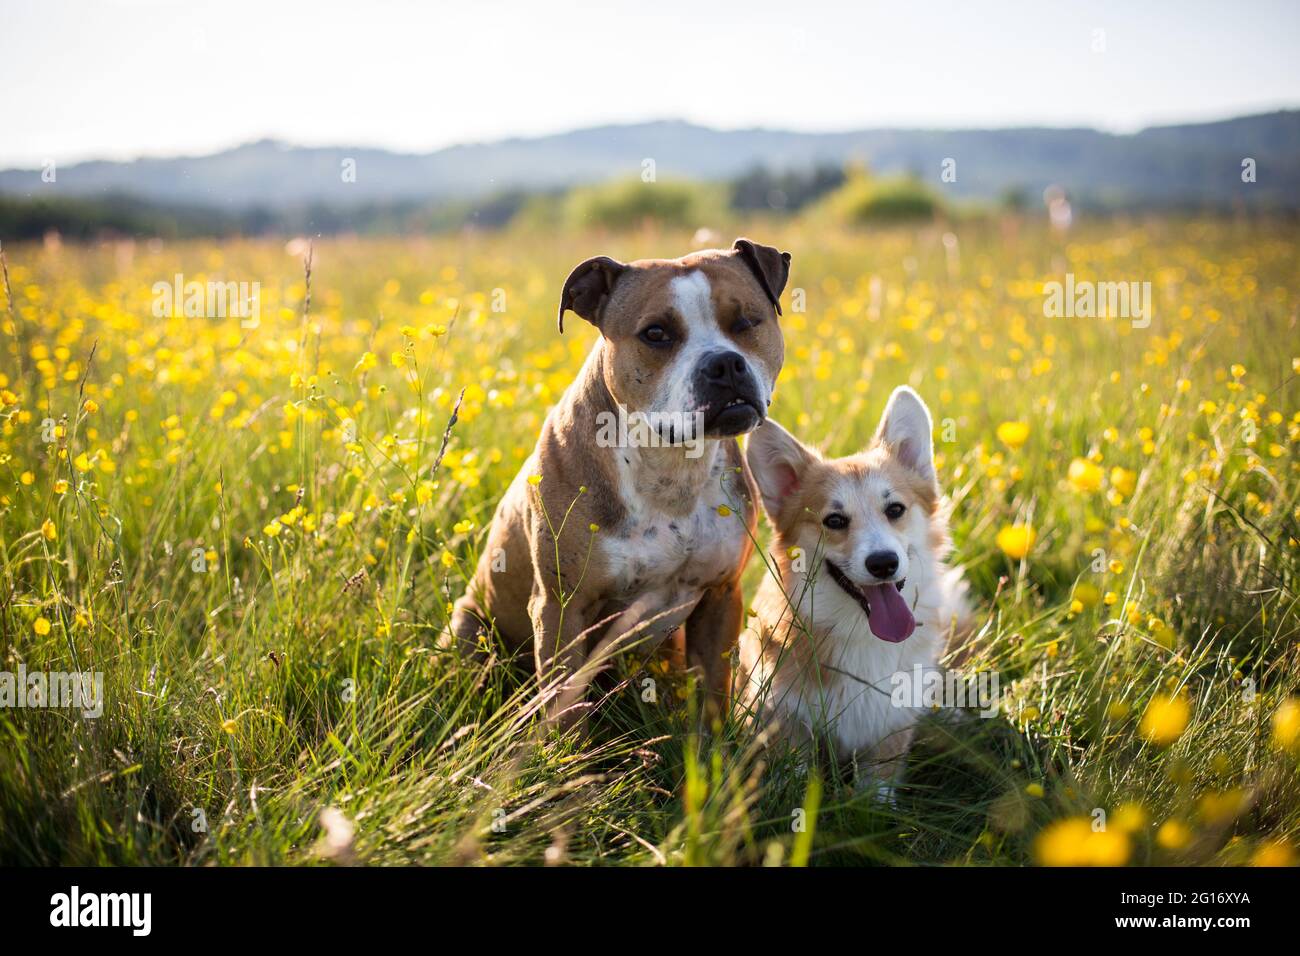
<point x="882" y="564"/>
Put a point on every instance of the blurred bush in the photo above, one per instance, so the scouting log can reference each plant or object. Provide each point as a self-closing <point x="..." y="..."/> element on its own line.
<point x="867" y="200"/>
<point x="631" y="203"/>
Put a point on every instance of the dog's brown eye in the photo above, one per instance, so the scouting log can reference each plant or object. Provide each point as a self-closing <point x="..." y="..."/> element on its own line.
<point x="895" y="510"/>
<point x="836" y="521"/>
<point x="744" y="324"/>
<point x="656" y="335"/>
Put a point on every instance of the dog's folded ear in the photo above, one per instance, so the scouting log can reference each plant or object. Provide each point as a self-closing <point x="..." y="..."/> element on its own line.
<point x="770" y="267"/>
<point x="779" y="463"/>
<point x="588" y="289"/>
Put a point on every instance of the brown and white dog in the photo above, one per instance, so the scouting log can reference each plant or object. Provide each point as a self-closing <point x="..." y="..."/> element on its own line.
<point x="688" y="354"/>
<point x="862" y="597"/>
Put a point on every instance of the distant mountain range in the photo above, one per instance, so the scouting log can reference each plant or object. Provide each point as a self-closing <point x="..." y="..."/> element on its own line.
<point x="1199" y="164"/>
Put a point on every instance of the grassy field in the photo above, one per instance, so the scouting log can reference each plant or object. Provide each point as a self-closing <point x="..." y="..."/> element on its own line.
<point x="255" y="534"/>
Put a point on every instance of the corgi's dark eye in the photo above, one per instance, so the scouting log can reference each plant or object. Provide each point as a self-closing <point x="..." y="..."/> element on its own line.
<point x="656" y="335"/>
<point x="895" y="510"/>
<point x="836" y="521"/>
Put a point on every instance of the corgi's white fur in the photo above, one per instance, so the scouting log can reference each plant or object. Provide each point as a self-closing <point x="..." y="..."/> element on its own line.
<point x="811" y="665"/>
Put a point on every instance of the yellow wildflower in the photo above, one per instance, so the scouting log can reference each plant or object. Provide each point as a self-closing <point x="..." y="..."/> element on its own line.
<point x="1165" y="719"/>
<point x="1016" y="540"/>
<point x="1286" y="725"/>
<point x="1013" y="434"/>
<point x="1075" y="842"/>
<point x="1084" y="476"/>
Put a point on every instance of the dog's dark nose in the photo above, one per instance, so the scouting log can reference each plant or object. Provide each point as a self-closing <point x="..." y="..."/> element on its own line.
<point x="882" y="564"/>
<point x="727" y="391"/>
<point x="724" y="368"/>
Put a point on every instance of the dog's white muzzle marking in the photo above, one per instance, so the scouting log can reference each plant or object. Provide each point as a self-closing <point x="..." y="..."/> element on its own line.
<point x="692" y="297"/>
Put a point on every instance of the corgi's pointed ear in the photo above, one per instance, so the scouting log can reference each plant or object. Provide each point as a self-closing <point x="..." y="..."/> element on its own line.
<point x="907" y="430"/>
<point x="778" y="462"/>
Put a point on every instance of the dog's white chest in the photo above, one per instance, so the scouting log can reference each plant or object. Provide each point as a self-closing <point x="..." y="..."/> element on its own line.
<point x="674" y="554"/>
<point x="661" y="558"/>
<point x="848" y="692"/>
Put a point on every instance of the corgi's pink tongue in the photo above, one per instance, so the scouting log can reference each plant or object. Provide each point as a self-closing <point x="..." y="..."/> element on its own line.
<point x="890" y="619"/>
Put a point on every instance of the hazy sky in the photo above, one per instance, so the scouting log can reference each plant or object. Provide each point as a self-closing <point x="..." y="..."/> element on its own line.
<point x="123" y="78"/>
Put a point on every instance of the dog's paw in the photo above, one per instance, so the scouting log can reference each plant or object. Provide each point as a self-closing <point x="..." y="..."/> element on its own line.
<point x="882" y="792"/>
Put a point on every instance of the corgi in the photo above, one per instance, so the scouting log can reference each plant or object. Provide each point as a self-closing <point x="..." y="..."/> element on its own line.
<point x="861" y="591"/>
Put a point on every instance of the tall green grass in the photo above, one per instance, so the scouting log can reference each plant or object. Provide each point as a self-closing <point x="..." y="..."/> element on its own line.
<point x="300" y="671"/>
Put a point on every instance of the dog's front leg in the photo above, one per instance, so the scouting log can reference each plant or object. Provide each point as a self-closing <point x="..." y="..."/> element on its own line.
<point x="560" y="651"/>
<point x="888" y="760"/>
<point x="711" y="632"/>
